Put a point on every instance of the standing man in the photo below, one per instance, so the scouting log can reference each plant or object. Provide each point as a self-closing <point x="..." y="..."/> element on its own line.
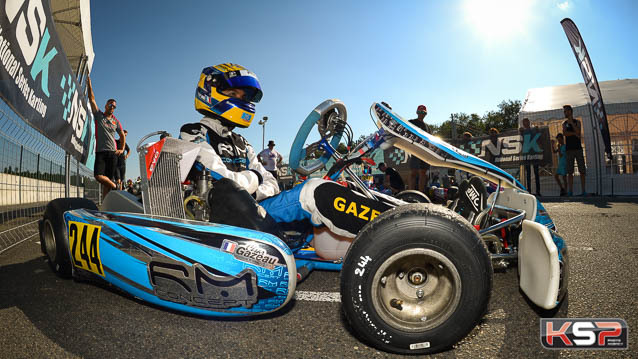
<point x="417" y="167"/>
<point x="120" y="170"/>
<point x="270" y="158"/>
<point x="106" y="152"/>
<point x="528" y="171"/>
<point x="392" y="178"/>
<point x="574" y="150"/>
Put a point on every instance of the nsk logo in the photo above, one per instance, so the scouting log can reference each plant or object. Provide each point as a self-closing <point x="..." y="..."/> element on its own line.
<point x="34" y="51"/>
<point x="32" y="35"/>
<point x="506" y="145"/>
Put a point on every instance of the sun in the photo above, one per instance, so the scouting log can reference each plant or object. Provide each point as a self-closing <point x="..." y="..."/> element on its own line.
<point x="496" y="20"/>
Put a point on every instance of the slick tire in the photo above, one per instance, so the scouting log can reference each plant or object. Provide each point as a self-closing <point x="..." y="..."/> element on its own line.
<point x="416" y="280"/>
<point x="53" y="233"/>
<point x="412" y="196"/>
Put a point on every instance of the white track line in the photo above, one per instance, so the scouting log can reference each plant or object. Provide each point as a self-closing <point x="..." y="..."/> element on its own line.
<point x="318" y="296"/>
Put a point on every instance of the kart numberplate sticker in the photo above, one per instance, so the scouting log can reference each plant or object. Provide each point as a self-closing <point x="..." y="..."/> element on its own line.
<point x="84" y="241"/>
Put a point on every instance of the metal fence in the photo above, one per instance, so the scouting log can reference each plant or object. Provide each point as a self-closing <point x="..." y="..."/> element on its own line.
<point x="32" y="173"/>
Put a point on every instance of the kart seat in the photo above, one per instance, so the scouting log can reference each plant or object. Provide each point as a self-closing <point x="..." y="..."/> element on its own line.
<point x="472" y="198"/>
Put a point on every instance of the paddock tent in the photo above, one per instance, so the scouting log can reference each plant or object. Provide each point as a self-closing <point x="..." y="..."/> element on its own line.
<point x="544" y="107"/>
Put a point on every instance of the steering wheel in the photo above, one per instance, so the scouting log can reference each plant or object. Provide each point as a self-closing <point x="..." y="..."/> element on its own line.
<point x="330" y="117"/>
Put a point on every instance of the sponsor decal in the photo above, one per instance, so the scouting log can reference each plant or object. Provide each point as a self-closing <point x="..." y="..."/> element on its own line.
<point x="474" y="197"/>
<point x="252" y="253"/>
<point x="196" y="287"/>
<point x="355" y="209"/>
<point x="583" y="333"/>
<point x="152" y="156"/>
<point x="84" y="243"/>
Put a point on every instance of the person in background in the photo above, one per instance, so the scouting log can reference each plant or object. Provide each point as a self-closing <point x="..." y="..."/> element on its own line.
<point x="490" y="157"/>
<point x="459" y="175"/>
<point x="574" y="150"/>
<point x="528" y="167"/>
<point x="561" y="169"/>
<point x="392" y="178"/>
<point x="106" y="126"/>
<point x="419" y="168"/>
<point x="120" y="170"/>
<point x="270" y="158"/>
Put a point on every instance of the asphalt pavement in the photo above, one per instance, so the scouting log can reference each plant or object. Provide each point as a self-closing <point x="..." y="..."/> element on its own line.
<point x="43" y="316"/>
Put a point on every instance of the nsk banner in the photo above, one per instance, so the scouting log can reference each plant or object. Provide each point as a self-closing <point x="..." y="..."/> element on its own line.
<point x="511" y="148"/>
<point x="508" y="150"/>
<point x="36" y="79"/>
<point x="586" y="68"/>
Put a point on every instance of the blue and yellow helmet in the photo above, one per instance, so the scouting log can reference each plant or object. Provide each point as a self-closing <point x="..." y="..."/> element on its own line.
<point x="210" y="101"/>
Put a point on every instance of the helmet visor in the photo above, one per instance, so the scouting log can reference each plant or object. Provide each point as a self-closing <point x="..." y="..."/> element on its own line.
<point x="243" y="80"/>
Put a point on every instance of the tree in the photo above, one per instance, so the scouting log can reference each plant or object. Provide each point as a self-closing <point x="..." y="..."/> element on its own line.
<point x="505" y="118"/>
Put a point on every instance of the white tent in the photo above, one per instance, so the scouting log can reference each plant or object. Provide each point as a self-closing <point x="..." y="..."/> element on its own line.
<point x="544" y="107"/>
<point x="72" y="20"/>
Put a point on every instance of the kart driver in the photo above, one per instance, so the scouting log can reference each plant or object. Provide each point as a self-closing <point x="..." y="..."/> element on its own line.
<point x="226" y="95"/>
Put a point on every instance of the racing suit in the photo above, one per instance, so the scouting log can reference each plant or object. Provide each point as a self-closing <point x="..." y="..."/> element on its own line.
<point x="226" y="154"/>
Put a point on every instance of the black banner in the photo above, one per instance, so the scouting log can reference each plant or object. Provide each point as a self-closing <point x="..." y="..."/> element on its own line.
<point x="509" y="149"/>
<point x="586" y="68"/>
<point x="513" y="148"/>
<point x="36" y="79"/>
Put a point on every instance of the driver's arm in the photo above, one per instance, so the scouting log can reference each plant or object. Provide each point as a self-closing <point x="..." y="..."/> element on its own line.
<point x="249" y="179"/>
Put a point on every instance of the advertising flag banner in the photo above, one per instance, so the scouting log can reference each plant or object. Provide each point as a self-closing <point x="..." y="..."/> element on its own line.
<point x="595" y="96"/>
<point x="36" y="80"/>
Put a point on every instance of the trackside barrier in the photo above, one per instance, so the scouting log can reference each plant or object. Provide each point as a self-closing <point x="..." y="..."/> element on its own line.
<point x="32" y="173"/>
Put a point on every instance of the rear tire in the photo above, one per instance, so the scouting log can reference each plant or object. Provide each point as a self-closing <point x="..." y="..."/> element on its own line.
<point x="416" y="280"/>
<point x="54" y="239"/>
<point x="412" y="196"/>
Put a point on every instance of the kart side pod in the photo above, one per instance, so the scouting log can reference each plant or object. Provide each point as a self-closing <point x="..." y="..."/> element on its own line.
<point x="196" y="267"/>
<point x="540" y="264"/>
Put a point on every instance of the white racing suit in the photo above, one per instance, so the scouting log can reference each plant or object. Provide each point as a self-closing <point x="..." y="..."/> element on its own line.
<point x="228" y="155"/>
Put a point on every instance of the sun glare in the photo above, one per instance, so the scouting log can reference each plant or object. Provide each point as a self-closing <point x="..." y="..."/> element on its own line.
<point x="495" y="20"/>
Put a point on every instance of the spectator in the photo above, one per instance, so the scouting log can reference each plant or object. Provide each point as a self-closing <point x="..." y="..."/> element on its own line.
<point x="419" y="168"/>
<point x="270" y="158"/>
<point x="561" y="171"/>
<point x="106" y="125"/>
<point x="574" y="150"/>
<point x="528" y="171"/>
<point x="120" y="170"/>
<point x="392" y="178"/>
<point x="129" y="185"/>
<point x="459" y="175"/>
<point x="490" y="157"/>
<point x="467" y="136"/>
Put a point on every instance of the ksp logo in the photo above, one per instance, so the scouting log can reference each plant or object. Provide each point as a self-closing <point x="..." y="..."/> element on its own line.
<point x="584" y="333"/>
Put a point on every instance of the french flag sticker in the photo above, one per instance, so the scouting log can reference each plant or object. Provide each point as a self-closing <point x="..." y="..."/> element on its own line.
<point x="229" y="246"/>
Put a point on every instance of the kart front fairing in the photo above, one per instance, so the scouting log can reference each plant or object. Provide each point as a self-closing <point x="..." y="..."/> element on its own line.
<point x="542" y="253"/>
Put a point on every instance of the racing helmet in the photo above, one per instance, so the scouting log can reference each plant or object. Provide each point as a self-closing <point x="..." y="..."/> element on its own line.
<point x="210" y="101"/>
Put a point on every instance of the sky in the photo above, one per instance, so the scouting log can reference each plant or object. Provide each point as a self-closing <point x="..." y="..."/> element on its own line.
<point x="452" y="56"/>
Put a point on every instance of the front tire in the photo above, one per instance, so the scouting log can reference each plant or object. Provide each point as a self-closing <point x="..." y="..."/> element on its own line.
<point x="54" y="238"/>
<point x="416" y="280"/>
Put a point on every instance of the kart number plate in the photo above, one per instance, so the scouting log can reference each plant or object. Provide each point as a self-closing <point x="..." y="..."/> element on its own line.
<point x="84" y="241"/>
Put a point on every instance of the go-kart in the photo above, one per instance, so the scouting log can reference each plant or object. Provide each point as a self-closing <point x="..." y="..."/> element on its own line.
<point x="416" y="279"/>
